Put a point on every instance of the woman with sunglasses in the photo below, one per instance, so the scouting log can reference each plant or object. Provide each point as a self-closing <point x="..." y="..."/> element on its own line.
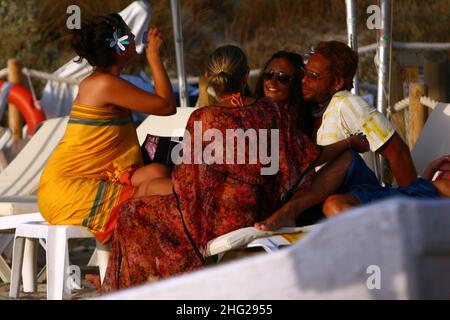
<point x="281" y="81"/>
<point x="167" y="234"/>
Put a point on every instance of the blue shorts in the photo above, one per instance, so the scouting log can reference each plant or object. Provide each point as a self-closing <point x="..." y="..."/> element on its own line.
<point x="418" y="189"/>
<point x="358" y="173"/>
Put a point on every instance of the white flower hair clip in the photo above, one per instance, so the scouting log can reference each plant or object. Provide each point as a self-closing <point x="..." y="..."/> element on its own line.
<point x="118" y="42"/>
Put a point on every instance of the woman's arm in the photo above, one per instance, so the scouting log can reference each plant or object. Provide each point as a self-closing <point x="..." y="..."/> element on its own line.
<point x="122" y="93"/>
<point x="163" y="87"/>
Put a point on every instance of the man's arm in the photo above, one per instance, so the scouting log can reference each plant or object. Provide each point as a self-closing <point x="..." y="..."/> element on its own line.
<point x="400" y="160"/>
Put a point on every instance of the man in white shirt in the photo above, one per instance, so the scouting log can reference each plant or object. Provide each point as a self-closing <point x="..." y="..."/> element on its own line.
<point x="328" y="79"/>
<point x="339" y="114"/>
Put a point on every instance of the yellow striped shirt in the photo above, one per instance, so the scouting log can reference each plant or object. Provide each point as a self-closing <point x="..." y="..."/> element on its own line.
<point x="348" y="114"/>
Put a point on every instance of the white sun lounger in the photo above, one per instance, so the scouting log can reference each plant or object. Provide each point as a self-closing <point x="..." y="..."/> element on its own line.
<point x="5" y="137"/>
<point x="434" y="140"/>
<point x="168" y="126"/>
<point x="21" y="177"/>
<point x="19" y="182"/>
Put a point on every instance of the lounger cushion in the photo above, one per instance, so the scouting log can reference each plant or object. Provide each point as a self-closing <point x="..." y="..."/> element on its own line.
<point x="241" y="237"/>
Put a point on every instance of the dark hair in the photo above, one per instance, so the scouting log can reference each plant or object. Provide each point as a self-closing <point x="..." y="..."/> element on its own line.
<point x="227" y="67"/>
<point x="343" y="60"/>
<point x="91" y="41"/>
<point x="300" y="115"/>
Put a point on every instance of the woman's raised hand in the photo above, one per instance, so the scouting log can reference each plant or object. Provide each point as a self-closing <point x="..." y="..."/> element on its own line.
<point x="359" y="142"/>
<point x="154" y="43"/>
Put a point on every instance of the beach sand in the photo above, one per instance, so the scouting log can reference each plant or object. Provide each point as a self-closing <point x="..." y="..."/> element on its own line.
<point x="80" y="253"/>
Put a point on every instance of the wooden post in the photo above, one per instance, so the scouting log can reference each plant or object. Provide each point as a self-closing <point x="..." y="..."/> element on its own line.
<point x="435" y="69"/>
<point x="417" y="112"/>
<point x="15" y="117"/>
<point x="409" y="74"/>
<point x="395" y="95"/>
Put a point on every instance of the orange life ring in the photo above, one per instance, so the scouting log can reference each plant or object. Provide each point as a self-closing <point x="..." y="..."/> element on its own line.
<point x="23" y="100"/>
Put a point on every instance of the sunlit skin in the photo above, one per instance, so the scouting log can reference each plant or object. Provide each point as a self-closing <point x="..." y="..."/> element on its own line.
<point x="150" y="179"/>
<point x="318" y="84"/>
<point x="339" y="203"/>
<point x="273" y="88"/>
<point x="104" y="87"/>
<point x="323" y="184"/>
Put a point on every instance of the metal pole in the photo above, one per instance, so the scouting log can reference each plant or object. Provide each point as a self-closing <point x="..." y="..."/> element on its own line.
<point x="384" y="50"/>
<point x="352" y="33"/>
<point x="179" y="53"/>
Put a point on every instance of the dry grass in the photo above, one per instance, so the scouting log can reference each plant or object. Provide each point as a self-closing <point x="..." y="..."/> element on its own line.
<point x="260" y="27"/>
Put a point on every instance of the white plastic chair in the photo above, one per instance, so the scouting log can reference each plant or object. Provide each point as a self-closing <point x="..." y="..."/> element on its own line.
<point x="20" y="179"/>
<point x="9" y="224"/>
<point x="60" y="279"/>
<point x="22" y="175"/>
<point x="163" y="126"/>
<point x="168" y="126"/>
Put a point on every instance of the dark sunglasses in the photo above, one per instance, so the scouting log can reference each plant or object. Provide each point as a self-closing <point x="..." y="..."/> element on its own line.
<point x="312" y="75"/>
<point x="281" y="77"/>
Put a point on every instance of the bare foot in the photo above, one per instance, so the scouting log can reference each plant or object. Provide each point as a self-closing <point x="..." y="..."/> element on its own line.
<point x="94" y="279"/>
<point x="276" y="221"/>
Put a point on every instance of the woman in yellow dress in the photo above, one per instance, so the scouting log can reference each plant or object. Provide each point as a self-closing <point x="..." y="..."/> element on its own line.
<point x="98" y="163"/>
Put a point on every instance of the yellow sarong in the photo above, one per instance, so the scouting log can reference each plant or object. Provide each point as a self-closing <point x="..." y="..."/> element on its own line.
<point x="89" y="172"/>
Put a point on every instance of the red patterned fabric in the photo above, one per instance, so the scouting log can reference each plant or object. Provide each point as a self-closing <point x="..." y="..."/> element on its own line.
<point x="150" y="242"/>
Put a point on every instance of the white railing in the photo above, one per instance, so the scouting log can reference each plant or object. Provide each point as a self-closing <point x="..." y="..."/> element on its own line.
<point x="408" y="46"/>
<point x="403" y="104"/>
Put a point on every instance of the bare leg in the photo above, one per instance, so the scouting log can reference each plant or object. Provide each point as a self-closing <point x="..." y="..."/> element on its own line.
<point x="149" y="172"/>
<point x="338" y="203"/>
<point x="443" y="186"/>
<point x="158" y="186"/>
<point x="325" y="182"/>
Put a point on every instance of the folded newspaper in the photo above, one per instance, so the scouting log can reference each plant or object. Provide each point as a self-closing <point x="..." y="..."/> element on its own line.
<point x="241" y="237"/>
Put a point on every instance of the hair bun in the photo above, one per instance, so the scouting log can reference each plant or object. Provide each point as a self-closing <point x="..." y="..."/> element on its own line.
<point x="219" y="81"/>
<point x="233" y="60"/>
<point x="91" y="41"/>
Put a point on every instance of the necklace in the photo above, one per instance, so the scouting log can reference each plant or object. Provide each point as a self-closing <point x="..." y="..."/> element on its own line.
<point x="235" y="99"/>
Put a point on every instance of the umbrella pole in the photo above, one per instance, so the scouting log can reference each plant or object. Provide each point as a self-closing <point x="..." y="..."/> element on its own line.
<point x="352" y="33"/>
<point x="384" y="53"/>
<point x="179" y="52"/>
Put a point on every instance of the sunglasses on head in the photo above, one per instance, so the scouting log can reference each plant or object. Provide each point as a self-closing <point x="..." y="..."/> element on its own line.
<point x="281" y="77"/>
